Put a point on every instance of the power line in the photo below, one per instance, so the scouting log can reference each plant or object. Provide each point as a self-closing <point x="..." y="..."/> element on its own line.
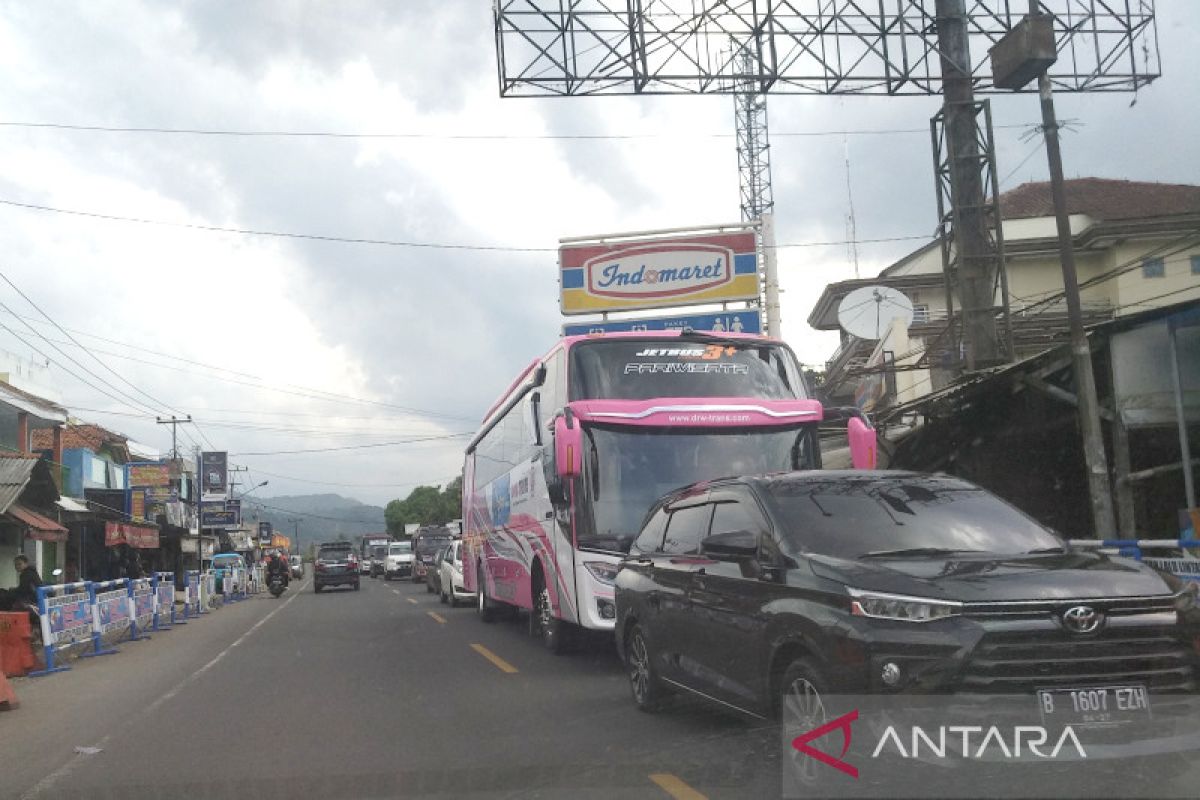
<point x="435" y="481"/>
<point x="76" y="342"/>
<point x="357" y="446"/>
<point x="62" y="126"/>
<point x="382" y="242"/>
<point x="260" y="504"/>
<point x="302" y="391"/>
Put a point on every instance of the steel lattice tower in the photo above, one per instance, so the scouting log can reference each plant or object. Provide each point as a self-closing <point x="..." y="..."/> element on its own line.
<point x="753" y="146"/>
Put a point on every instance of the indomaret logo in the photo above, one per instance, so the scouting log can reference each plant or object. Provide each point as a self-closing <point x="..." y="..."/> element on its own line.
<point x="663" y="270"/>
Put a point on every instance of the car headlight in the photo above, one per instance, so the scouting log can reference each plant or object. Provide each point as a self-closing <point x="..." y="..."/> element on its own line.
<point x="1188" y="596"/>
<point x="603" y="571"/>
<point x="900" y="607"/>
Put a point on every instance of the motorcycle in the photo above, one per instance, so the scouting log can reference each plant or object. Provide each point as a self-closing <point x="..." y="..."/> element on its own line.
<point x="276" y="586"/>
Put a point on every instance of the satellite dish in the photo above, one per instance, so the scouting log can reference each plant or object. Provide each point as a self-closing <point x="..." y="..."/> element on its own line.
<point x="868" y="312"/>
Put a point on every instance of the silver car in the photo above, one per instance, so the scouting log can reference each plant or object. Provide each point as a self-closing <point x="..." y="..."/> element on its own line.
<point x="451" y="572"/>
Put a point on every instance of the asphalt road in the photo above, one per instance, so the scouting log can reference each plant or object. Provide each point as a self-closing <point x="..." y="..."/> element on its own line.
<point x="378" y="693"/>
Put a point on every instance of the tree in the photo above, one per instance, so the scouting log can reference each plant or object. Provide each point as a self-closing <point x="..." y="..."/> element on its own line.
<point x="425" y="505"/>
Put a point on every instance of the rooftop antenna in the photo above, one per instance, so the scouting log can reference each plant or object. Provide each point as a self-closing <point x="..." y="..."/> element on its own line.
<point x="851" y="226"/>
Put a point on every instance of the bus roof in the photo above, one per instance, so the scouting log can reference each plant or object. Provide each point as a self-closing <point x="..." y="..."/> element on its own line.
<point x="567" y="342"/>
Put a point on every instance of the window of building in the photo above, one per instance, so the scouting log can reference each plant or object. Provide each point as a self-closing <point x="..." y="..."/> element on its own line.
<point x="1153" y="268"/>
<point x="920" y="313"/>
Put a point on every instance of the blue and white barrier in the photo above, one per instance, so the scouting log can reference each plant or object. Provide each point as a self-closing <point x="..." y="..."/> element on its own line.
<point x="66" y="618"/>
<point x="191" y="593"/>
<point x="164" y="601"/>
<point x="1185" y="566"/>
<point x="110" y="612"/>
<point x="208" y="591"/>
<point x="141" y="604"/>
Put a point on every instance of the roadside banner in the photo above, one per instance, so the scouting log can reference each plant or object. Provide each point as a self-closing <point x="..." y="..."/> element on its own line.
<point x="214" y="474"/>
<point x="66" y="618"/>
<point x="191" y="593"/>
<point x="110" y="612"/>
<point x="141" y="602"/>
<point x="164" y="601"/>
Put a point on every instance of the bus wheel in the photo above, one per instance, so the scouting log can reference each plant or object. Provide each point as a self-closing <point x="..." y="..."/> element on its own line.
<point x="553" y="630"/>
<point x="483" y="604"/>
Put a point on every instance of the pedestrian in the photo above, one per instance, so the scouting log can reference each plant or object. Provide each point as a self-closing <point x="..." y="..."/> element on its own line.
<point x="28" y="580"/>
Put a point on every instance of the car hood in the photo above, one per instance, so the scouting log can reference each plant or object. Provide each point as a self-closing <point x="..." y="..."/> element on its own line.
<point x="974" y="579"/>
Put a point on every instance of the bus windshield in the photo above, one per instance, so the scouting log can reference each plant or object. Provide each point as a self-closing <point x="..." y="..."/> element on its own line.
<point x="641" y="369"/>
<point x="627" y="469"/>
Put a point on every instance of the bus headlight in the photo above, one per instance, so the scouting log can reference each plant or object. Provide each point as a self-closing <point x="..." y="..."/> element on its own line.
<point x="603" y="571"/>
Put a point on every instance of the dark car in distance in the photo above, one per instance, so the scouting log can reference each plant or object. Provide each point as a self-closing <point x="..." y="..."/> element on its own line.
<point x="335" y="565"/>
<point x="433" y="575"/>
<point x="761" y="591"/>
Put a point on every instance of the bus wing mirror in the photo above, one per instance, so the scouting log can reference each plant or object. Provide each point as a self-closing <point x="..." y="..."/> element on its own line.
<point x="863" y="452"/>
<point x="568" y="448"/>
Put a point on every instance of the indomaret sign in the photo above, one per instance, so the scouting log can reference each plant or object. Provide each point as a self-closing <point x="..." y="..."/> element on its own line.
<point x="658" y="272"/>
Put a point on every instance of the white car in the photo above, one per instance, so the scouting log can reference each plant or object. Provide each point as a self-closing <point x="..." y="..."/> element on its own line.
<point x="398" y="562"/>
<point x="452" y="577"/>
<point x="297" y="566"/>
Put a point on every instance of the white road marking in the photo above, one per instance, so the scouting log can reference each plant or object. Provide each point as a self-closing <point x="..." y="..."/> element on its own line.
<point x="39" y="788"/>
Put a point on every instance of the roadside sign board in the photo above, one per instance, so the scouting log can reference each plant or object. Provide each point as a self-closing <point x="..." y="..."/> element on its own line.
<point x="658" y="272"/>
<point x="216" y="515"/>
<point x="744" y="321"/>
<point x="214" y="473"/>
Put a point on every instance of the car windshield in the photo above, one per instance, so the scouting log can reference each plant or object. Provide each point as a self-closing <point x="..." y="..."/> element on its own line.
<point x="643" y="369"/>
<point x="431" y="544"/>
<point x="900" y="516"/>
<point x="628" y="468"/>
<point x="396" y="548"/>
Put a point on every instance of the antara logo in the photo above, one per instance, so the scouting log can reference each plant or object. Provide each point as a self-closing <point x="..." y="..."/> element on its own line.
<point x="662" y="270"/>
<point x="972" y="742"/>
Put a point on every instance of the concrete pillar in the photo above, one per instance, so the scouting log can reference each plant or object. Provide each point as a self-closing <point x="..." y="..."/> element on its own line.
<point x="22" y="432"/>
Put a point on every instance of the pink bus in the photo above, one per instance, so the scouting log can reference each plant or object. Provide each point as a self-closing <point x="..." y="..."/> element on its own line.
<point x="573" y="454"/>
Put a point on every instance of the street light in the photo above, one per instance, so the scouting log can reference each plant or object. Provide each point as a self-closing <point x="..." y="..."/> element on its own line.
<point x="252" y="488"/>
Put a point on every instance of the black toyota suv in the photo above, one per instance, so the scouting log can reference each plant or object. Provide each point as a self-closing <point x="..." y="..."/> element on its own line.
<point x="742" y="590"/>
<point x="335" y="565"/>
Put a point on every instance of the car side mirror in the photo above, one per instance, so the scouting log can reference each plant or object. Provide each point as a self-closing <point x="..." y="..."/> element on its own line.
<point x="863" y="453"/>
<point x="730" y="546"/>
<point x="568" y="447"/>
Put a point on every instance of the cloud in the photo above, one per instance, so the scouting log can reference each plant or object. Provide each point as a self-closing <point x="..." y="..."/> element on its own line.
<point x="438" y="330"/>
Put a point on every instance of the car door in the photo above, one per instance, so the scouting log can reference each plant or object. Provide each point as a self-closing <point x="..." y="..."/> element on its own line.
<point x="726" y="599"/>
<point x="672" y="568"/>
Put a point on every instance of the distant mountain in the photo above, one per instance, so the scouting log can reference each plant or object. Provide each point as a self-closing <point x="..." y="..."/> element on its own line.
<point x="320" y="517"/>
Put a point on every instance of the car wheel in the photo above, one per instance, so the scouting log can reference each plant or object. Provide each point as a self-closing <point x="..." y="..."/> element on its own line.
<point x="442" y="598"/>
<point x="356" y="586"/>
<point x="316" y="588"/>
<point x="483" y="605"/>
<point x="801" y="707"/>
<point x="429" y="588"/>
<point x="648" y="691"/>
<point x="554" y="631"/>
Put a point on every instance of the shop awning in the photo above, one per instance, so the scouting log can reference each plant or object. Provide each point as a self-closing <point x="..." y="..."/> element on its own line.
<point x="40" y="527"/>
<point x="72" y="505"/>
<point x="142" y="537"/>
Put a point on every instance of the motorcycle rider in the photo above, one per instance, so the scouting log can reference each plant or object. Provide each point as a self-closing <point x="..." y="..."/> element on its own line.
<point x="277" y="566"/>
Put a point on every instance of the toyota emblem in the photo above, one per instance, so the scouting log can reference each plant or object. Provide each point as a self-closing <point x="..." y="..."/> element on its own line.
<point x="1082" y="619"/>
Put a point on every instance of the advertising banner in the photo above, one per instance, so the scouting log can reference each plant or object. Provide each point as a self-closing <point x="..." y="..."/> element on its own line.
<point x="235" y="508"/>
<point x="139" y="536"/>
<point x="148" y="474"/>
<point x="214" y="472"/>
<point x="745" y="321"/>
<point x="143" y="601"/>
<point x="240" y="539"/>
<point x="658" y="272"/>
<point x="69" y="616"/>
<point x="215" y="515"/>
<point x="111" y="609"/>
<point x="264" y="532"/>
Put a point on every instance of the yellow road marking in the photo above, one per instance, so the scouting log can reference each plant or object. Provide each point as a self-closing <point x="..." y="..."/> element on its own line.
<point x="500" y="663"/>
<point x="412" y="600"/>
<point x="675" y="787"/>
<point x="437" y="617"/>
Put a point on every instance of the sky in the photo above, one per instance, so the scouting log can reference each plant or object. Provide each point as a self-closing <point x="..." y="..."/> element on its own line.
<point x="375" y="360"/>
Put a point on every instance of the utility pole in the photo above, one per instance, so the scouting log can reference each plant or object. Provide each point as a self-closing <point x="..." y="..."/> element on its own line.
<point x="1026" y="52"/>
<point x="975" y="252"/>
<point x="1081" y="352"/>
<point x="174" y="422"/>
